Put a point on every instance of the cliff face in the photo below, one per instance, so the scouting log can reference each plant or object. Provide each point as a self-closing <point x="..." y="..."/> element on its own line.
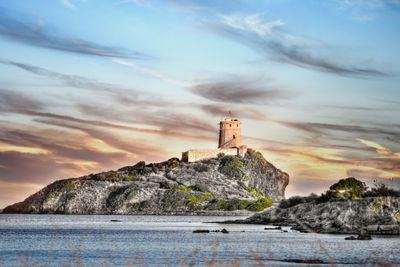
<point x="226" y="183"/>
<point x="349" y="216"/>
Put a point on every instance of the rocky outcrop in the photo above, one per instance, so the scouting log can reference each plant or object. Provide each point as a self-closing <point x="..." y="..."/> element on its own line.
<point x="347" y="216"/>
<point x="226" y="183"/>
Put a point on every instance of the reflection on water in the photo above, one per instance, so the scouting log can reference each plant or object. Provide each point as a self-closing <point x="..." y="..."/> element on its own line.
<point x="53" y="240"/>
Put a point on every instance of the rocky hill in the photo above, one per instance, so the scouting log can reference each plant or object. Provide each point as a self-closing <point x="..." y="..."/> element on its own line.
<point x="213" y="186"/>
<point x="346" y="216"/>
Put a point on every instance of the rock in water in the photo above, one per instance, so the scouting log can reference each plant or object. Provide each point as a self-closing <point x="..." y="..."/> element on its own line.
<point x="224" y="231"/>
<point x="211" y="186"/>
<point x="200" y="231"/>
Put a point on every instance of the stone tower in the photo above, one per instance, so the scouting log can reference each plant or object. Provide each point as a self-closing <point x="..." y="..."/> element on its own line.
<point x="230" y="133"/>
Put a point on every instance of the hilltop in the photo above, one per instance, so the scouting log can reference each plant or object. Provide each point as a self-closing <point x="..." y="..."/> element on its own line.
<point x="222" y="185"/>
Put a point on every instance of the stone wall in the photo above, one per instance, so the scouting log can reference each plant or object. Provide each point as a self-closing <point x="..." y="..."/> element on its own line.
<point x="199" y="154"/>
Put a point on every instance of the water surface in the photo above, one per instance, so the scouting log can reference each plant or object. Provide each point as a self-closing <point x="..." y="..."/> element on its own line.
<point x="53" y="240"/>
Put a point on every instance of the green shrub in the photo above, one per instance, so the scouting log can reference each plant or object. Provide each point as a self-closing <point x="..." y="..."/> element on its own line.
<point x="235" y="163"/>
<point x="352" y="188"/>
<point x="110" y="175"/>
<point x="222" y="202"/>
<point x="70" y="185"/>
<point x="180" y="188"/>
<point x="265" y="202"/>
<point x="257" y="194"/>
<point x="52" y="195"/>
<point x="192" y="199"/>
<point x="129" y="178"/>
<point x="257" y="207"/>
<point x="243" y="204"/>
<point x="207" y="196"/>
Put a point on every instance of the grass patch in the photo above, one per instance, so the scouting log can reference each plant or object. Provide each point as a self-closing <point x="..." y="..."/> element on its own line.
<point x="257" y="194"/>
<point x="181" y="188"/>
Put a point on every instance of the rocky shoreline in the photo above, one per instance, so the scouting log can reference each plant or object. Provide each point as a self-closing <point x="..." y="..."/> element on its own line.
<point x="335" y="217"/>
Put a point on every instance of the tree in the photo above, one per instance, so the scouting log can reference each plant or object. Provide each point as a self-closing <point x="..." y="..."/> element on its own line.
<point x="351" y="187"/>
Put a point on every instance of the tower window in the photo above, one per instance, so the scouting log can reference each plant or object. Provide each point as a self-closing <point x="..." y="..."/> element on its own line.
<point x="230" y="125"/>
<point x="234" y="137"/>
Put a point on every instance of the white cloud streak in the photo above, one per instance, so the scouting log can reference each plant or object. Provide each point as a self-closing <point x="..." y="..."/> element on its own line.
<point x="150" y="72"/>
<point x="251" y="23"/>
<point x="68" y="4"/>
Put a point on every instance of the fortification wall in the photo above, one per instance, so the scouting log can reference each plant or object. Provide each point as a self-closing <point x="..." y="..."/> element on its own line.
<point x="199" y="154"/>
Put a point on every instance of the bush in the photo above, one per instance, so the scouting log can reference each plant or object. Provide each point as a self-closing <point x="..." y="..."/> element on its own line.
<point x="265" y="202"/>
<point x="292" y="201"/>
<point x="329" y="196"/>
<point x="382" y="191"/>
<point x="257" y="194"/>
<point x="295" y="200"/>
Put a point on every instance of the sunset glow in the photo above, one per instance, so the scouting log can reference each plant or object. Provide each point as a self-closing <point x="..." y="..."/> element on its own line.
<point x="90" y="86"/>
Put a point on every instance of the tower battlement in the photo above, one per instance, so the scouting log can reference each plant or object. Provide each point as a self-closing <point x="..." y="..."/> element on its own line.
<point x="229" y="143"/>
<point x="230" y="133"/>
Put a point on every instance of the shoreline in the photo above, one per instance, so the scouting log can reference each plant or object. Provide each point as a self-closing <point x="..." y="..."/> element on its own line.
<point x="219" y="213"/>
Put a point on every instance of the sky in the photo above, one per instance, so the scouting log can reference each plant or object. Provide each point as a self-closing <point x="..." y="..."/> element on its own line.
<point x="89" y="86"/>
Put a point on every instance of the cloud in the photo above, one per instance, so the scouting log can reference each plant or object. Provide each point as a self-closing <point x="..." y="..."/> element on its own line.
<point x="251" y="23"/>
<point x="379" y="149"/>
<point x="116" y="126"/>
<point x="162" y="122"/>
<point x="277" y="47"/>
<point x="123" y="95"/>
<point x="76" y="81"/>
<point x="38" y="36"/>
<point x="366" y="174"/>
<point x="66" y="153"/>
<point x="151" y="72"/>
<point x="238" y="90"/>
<point x="205" y="6"/>
<point x="366" y="4"/>
<point x="29" y="168"/>
<point x="17" y="100"/>
<point x="68" y="4"/>
<point x="341" y="107"/>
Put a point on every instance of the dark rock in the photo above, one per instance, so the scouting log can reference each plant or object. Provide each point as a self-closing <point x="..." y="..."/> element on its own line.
<point x="199" y="231"/>
<point x="114" y="220"/>
<point x="311" y="261"/>
<point x="224" y="231"/>
<point x="273" y="228"/>
<point x="359" y="237"/>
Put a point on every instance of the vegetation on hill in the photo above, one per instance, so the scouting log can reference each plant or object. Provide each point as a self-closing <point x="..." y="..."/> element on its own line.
<point x="344" y="189"/>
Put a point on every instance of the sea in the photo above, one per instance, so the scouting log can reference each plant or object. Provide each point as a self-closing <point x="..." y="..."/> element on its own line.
<point x="125" y="240"/>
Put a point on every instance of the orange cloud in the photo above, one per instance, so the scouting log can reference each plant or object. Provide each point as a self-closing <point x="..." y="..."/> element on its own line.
<point x="379" y="149"/>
